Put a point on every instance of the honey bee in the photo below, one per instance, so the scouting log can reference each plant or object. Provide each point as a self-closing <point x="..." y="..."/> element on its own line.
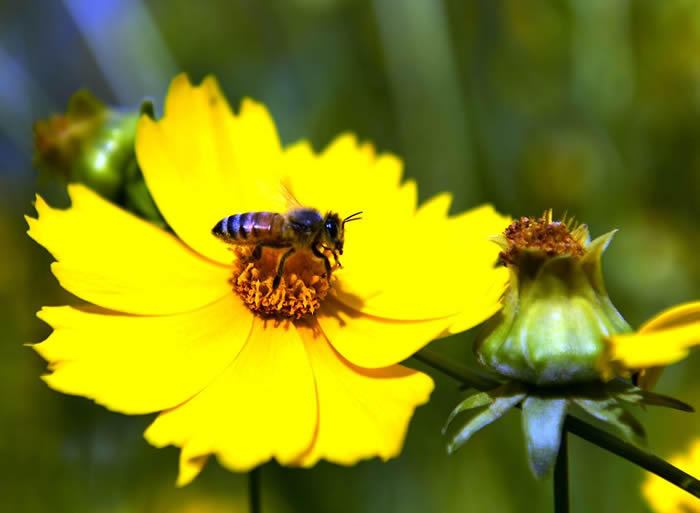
<point x="299" y="228"/>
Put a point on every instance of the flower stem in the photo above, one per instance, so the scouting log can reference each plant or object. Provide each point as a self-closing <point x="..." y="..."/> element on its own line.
<point x="254" y="490"/>
<point x="573" y="425"/>
<point x="561" y="477"/>
<point x="647" y="461"/>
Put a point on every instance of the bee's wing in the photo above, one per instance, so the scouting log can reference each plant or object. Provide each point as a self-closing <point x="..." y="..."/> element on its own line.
<point x="286" y="190"/>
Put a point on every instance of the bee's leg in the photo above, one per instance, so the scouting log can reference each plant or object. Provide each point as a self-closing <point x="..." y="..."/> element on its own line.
<point x="257" y="252"/>
<point x="337" y="259"/>
<point x="323" y="257"/>
<point x="280" y="267"/>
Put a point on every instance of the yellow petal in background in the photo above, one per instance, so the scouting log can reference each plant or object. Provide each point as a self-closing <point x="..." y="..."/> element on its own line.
<point x="362" y="412"/>
<point x="641" y="350"/>
<point x="203" y="163"/>
<point x="665" y="497"/>
<point x="262" y="406"/>
<point x="135" y="364"/>
<point x="374" y="342"/>
<point x="663" y="340"/>
<point x="111" y="258"/>
<point x="676" y="316"/>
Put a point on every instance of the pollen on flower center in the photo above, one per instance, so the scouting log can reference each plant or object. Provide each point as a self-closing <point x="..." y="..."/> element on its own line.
<point x="553" y="238"/>
<point x="302" y="288"/>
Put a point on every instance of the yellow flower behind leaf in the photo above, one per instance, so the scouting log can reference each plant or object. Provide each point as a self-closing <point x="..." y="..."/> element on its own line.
<point x="663" y="340"/>
<point x="665" y="497"/>
<point x="167" y="332"/>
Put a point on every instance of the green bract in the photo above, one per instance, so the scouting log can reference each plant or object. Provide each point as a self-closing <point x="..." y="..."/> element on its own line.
<point x="555" y="314"/>
<point x="545" y="408"/>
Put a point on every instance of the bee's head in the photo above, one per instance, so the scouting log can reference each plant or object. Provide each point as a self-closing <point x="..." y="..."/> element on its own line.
<point x="334" y="229"/>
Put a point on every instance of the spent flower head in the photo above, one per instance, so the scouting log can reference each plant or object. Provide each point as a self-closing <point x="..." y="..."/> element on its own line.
<point x="558" y="341"/>
<point x="243" y="357"/>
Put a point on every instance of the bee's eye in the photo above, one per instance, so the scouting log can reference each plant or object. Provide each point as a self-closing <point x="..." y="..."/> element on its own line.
<point x="332" y="229"/>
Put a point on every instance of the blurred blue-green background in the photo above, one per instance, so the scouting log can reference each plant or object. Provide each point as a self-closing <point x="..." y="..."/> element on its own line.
<point x="590" y="106"/>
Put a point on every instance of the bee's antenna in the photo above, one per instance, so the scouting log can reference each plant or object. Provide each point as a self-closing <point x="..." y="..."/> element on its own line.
<point x="352" y="217"/>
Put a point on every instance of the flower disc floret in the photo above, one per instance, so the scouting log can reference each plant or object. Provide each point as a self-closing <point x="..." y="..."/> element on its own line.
<point x="301" y="290"/>
<point x="552" y="238"/>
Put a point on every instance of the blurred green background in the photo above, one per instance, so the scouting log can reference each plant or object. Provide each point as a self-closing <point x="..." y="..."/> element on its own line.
<point x="590" y="106"/>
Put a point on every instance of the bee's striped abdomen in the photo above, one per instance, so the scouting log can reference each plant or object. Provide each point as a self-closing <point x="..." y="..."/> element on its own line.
<point x="250" y="227"/>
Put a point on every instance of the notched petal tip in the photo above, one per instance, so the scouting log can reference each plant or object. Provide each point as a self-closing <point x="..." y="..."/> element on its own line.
<point x="190" y="468"/>
<point x="437" y="206"/>
<point x="343" y="142"/>
<point x="181" y="81"/>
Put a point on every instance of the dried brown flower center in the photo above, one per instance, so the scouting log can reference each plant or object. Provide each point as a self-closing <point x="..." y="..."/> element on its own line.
<point x="551" y="237"/>
<point x="302" y="288"/>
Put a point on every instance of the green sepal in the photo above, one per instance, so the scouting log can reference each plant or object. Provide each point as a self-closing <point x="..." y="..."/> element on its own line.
<point x="633" y="394"/>
<point x="473" y="401"/>
<point x="590" y="261"/>
<point x="543" y="418"/>
<point x="137" y="198"/>
<point x="503" y="400"/>
<point x="611" y="412"/>
<point x="654" y="399"/>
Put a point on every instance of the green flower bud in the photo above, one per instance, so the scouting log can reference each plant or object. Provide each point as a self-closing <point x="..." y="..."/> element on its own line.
<point x="94" y="145"/>
<point x="90" y="143"/>
<point x="106" y="154"/>
<point x="59" y="139"/>
<point x="556" y="310"/>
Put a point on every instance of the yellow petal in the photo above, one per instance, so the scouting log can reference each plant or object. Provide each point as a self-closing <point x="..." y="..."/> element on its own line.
<point x="665" y="339"/>
<point x="374" y="342"/>
<point x="398" y="263"/>
<point x="675" y="316"/>
<point x="476" y="309"/>
<point x="638" y="351"/>
<point x="135" y="364"/>
<point x="262" y="406"/>
<point x="110" y="257"/>
<point x="202" y="163"/>
<point x="362" y="412"/>
<point x="347" y="177"/>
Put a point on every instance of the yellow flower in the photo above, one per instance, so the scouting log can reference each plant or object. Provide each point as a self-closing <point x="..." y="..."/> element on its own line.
<point x="663" y="340"/>
<point x="183" y="325"/>
<point x="665" y="497"/>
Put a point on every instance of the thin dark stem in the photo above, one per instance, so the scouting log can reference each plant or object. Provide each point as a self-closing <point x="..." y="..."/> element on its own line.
<point x="455" y="370"/>
<point x="561" y="477"/>
<point x="573" y="425"/>
<point x="254" y="490"/>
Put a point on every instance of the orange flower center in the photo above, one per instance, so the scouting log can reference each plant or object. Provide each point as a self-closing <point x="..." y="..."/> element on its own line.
<point x="301" y="289"/>
<point x="551" y="237"/>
